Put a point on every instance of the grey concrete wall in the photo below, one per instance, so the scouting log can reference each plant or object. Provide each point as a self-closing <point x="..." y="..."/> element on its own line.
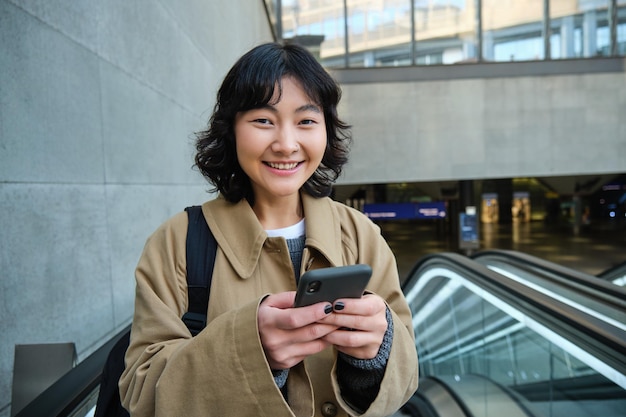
<point x="98" y="105"/>
<point x="522" y="126"/>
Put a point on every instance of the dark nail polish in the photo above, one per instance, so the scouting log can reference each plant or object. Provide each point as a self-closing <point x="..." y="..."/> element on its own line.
<point x="328" y="309"/>
<point x="339" y="306"/>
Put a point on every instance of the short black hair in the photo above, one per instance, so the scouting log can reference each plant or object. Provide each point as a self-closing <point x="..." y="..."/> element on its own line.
<point x="250" y="84"/>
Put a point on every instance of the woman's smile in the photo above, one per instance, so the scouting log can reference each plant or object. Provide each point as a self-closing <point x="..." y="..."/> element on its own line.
<point x="283" y="166"/>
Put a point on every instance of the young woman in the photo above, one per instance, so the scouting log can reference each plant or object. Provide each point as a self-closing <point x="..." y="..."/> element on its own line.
<point x="273" y="148"/>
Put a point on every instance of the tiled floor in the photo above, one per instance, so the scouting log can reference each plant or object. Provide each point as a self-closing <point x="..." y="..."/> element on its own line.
<point x="593" y="250"/>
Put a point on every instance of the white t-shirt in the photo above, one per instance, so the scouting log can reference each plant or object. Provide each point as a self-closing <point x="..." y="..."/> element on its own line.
<point x="289" y="232"/>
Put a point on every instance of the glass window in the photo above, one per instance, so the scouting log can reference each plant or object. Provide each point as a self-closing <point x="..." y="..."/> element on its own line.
<point x="582" y="28"/>
<point x="318" y="25"/>
<point x="445" y="31"/>
<point x="512" y="30"/>
<point x="566" y="25"/>
<point x="379" y="32"/>
<point x="621" y="27"/>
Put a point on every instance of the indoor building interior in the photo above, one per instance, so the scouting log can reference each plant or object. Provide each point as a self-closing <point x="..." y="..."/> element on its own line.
<point x="555" y="219"/>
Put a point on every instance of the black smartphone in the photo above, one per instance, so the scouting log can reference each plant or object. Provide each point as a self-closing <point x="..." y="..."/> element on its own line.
<point x="330" y="284"/>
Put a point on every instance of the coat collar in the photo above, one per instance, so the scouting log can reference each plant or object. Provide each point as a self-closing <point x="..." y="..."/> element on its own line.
<point x="240" y="236"/>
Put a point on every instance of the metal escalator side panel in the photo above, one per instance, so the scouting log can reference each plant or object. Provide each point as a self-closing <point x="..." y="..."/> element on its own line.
<point x="613" y="314"/>
<point x="442" y="399"/>
<point x="417" y="406"/>
<point x="601" y="289"/>
<point x="483" y="397"/>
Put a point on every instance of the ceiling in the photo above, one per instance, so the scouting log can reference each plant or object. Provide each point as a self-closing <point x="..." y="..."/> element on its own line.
<point x="566" y="186"/>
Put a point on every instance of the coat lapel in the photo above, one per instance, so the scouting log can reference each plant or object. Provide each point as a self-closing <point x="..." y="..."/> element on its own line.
<point x="323" y="229"/>
<point x="237" y="232"/>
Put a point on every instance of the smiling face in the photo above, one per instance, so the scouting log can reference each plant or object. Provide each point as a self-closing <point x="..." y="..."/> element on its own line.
<point x="280" y="146"/>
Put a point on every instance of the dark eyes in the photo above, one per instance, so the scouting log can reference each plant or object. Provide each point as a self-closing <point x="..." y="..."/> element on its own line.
<point x="264" y="121"/>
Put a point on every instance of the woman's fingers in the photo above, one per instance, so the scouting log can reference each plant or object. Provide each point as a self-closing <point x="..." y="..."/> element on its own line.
<point x="361" y="323"/>
<point x="288" y="335"/>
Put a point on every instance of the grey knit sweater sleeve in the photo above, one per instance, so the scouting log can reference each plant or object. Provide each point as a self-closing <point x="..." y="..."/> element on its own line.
<point x="359" y="379"/>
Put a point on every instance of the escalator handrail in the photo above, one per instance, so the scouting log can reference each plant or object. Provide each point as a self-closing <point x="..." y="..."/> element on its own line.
<point x="591" y="334"/>
<point x="613" y="272"/>
<point x="453" y="395"/>
<point x="570" y="276"/>
<point x="507" y="392"/>
<point x="66" y="394"/>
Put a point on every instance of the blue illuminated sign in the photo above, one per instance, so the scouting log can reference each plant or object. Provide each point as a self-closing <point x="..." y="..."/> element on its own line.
<point x="398" y="211"/>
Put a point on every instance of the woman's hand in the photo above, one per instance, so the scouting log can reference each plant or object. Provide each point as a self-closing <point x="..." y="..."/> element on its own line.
<point x="288" y="334"/>
<point x="361" y="325"/>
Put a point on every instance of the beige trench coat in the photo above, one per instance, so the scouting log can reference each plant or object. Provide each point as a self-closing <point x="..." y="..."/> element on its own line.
<point x="223" y="371"/>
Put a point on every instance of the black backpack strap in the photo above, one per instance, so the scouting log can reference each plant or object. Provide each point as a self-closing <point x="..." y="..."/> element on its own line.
<point x="201" y="248"/>
<point x="109" y="403"/>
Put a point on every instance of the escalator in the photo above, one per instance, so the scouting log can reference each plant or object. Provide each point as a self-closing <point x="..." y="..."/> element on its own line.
<point x="462" y="396"/>
<point x="491" y="345"/>
<point x="588" y="293"/>
<point x="616" y="274"/>
<point x="75" y="393"/>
